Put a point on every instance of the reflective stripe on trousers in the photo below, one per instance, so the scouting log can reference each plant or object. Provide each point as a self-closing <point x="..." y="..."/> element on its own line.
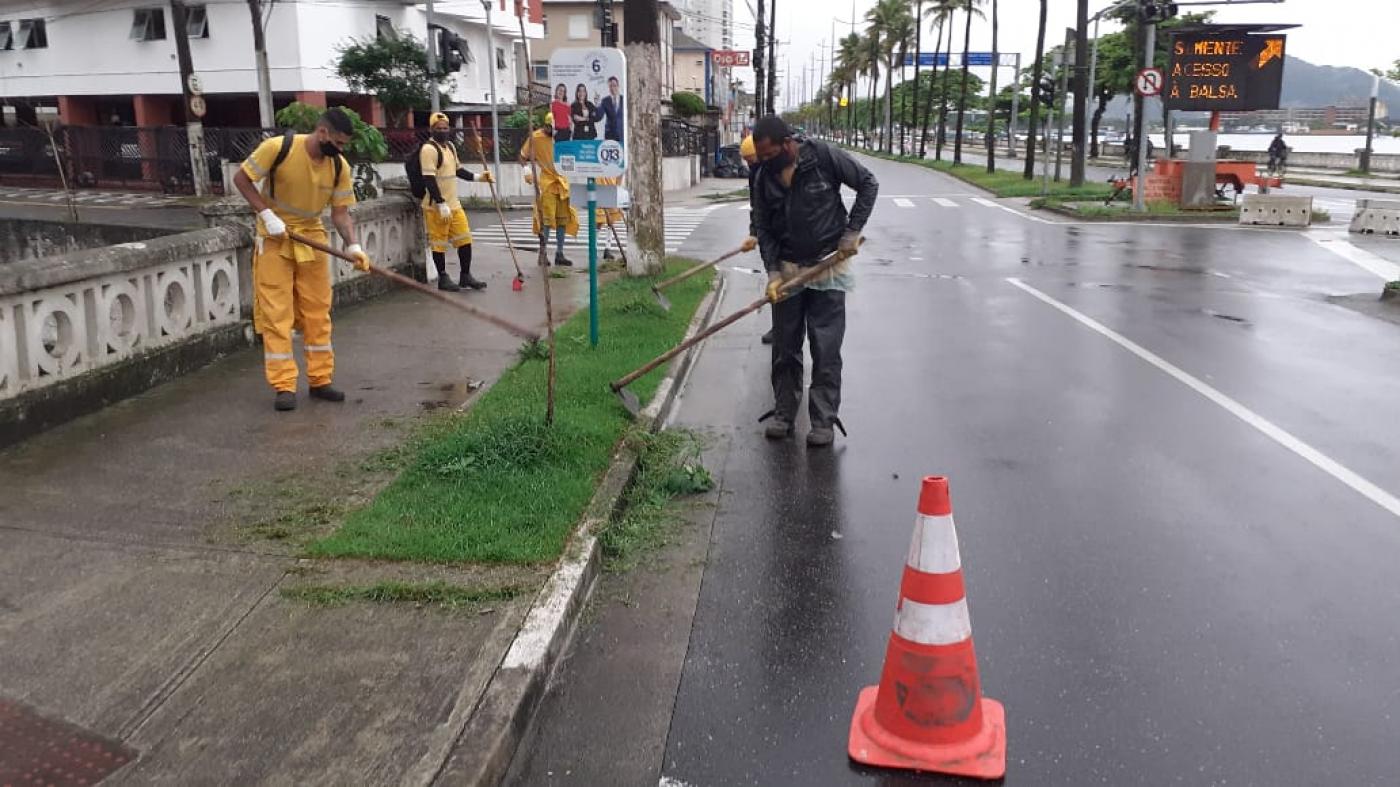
<point x="288" y="293"/>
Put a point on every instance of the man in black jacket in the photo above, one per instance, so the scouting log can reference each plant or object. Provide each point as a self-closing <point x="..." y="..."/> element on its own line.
<point x="799" y="218"/>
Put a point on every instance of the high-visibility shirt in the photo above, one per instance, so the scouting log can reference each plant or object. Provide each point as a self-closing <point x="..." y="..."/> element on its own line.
<point x="541" y="146"/>
<point x="446" y="174"/>
<point x="304" y="188"/>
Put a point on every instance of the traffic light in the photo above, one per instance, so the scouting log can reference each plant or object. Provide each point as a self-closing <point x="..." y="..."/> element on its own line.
<point x="1152" y="11"/>
<point x="1047" y="90"/>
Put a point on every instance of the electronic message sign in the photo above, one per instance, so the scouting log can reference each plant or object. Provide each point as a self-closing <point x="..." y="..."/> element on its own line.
<point x="1227" y="71"/>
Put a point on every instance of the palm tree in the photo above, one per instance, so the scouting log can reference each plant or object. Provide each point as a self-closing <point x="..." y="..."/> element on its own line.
<point x="890" y="26"/>
<point x="1037" y="69"/>
<point x="938" y="14"/>
<point x="970" y="8"/>
<point x="871" y="59"/>
<point x="992" y="91"/>
<point x="849" y="59"/>
<point x="918" y="48"/>
<point x="962" y="92"/>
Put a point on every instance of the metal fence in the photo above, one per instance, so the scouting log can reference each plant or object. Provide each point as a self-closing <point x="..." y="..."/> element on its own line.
<point x="158" y="159"/>
<point x="679" y="138"/>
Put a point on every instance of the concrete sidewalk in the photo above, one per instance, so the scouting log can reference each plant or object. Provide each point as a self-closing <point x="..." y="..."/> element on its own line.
<point x="144" y="551"/>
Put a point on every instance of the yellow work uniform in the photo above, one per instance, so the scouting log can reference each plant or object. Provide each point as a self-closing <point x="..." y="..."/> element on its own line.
<point x="608" y="216"/>
<point x="553" y="205"/>
<point x="452" y="231"/>
<point x="292" y="282"/>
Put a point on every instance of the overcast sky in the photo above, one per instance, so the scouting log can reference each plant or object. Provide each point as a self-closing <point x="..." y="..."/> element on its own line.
<point x="1360" y="33"/>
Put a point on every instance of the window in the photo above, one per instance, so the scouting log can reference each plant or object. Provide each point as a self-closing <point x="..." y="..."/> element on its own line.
<point x="384" y="29"/>
<point x="540" y="72"/>
<point x="7" y="40"/>
<point x="579" y="26"/>
<point x="33" y="34"/>
<point x="500" y="59"/>
<point x="148" y="24"/>
<point x="197" y="22"/>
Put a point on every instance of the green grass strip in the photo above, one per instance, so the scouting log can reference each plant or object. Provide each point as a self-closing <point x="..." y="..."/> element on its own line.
<point x="1003" y="183"/>
<point x="437" y="593"/>
<point x="495" y="485"/>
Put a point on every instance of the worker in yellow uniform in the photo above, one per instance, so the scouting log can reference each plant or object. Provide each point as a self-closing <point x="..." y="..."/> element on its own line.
<point x="611" y="218"/>
<point x="303" y="174"/>
<point x="750" y="157"/>
<point x="552" y="209"/>
<point x="442" y="209"/>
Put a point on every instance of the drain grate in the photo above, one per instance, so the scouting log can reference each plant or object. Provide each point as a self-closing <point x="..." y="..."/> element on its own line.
<point x="37" y="750"/>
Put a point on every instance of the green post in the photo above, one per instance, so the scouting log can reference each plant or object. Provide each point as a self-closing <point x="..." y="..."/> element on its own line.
<point x="593" y="261"/>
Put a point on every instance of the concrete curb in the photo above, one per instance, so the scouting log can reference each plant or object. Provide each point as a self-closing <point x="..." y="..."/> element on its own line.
<point x="1379" y="188"/>
<point x="1204" y="217"/>
<point x="487" y="743"/>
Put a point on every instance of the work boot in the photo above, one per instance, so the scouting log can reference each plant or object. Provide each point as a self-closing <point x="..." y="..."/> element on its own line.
<point x="286" y="400"/>
<point x="778" y="429"/>
<point x="470" y="282"/>
<point x="821" y="437"/>
<point x="446" y="284"/>
<point x="327" y="393"/>
<point x="560" y="259"/>
<point x="768" y="337"/>
<point x="607" y="254"/>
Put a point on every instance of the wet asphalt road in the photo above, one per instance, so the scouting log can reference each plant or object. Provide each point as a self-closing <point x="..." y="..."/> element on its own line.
<point x="1176" y="569"/>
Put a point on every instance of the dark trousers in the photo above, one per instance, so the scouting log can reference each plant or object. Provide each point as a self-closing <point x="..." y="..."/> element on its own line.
<point x="820" y="315"/>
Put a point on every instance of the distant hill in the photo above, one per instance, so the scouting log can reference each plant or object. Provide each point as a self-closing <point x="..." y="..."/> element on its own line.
<point x="1307" y="85"/>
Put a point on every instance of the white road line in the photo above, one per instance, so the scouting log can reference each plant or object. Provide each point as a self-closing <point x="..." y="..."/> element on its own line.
<point x="985" y="201"/>
<point x="1266" y="427"/>
<point x="904" y="202"/>
<point x="1015" y="212"/>
<point x="1336" y="242"/>
<point x="945" y="202"/>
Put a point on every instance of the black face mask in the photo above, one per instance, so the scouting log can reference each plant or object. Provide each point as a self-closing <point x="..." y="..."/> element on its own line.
<point x="781" y="161"/>
<point x="442" y="136"/>
<point x="328" y="149"/>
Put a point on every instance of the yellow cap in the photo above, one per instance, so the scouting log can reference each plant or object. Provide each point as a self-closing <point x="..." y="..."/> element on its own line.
<point x="746" y="148"/>
<point x="436" y="118"/>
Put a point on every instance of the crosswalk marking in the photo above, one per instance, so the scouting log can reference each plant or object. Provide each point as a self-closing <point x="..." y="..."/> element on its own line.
<point x="986" y="202"/>
<point x="680" y="224"/>
<point x="903" y="202"/>
<point x="945" y="202"/>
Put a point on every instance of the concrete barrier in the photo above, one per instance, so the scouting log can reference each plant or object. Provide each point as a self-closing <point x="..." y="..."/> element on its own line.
<point x="1275" y="210"/>
<point x="1376" y="217"/>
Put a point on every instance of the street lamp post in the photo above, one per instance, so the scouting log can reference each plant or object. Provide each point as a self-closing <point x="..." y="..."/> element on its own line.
<point x="434" y="101"/>
<point x="495" y="106"/>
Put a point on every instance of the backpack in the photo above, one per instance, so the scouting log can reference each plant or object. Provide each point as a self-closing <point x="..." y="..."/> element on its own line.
<point x="413" y="168"/>
<point x="282" y="156"/>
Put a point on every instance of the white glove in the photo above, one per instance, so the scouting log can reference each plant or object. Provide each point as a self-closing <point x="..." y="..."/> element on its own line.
<point x="362" y="261"/>
<point x="444" y="210"/>
<point x="274" y="225"/>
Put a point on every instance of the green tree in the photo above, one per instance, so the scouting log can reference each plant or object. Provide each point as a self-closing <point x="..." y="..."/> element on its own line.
<point x="938" y="15"/>
<point x="891" y="26"/>
<point x="394" y="70"/>
<point x="687" y="104"/>
<point x="366" y="147"/>
<point x="1393" y="74"/>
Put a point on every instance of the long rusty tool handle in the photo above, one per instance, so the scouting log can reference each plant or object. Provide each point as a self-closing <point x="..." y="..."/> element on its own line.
<point x="398" y="278"/>
<point x="495" y="198"/>
<point x="788" y="288"/>
<point x="687" y="273"/>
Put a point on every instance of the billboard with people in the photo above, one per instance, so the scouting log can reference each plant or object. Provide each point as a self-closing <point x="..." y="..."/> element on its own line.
<point x="588" y="107"/>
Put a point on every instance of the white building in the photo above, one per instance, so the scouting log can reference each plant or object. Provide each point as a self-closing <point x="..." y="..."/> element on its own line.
<point x="103" y="62"/>
<point x="710" y="22"/>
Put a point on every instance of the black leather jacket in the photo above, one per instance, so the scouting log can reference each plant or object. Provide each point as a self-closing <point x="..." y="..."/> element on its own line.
<point x="805" y="222"/>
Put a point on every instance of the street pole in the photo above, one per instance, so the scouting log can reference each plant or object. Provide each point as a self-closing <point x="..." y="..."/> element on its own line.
<point x="495" y="104"/>
<point x="1093" y="73"/>
<point x="759" y="60"/>
<point x="1149" y="57"/>
<point x="642" y="46"/>
<point x="592" y="262"/>
<point x="1081" y="95"/>
<point x="1015" y="107"/>
<point x="266" y="118"/>
<point x="435" y="101"/>
<point x="1063" y="92"/>
<point x="1370" y="126"/>
<point x="992" y="97"/>
<point x="772" y="52"/>
<point x="194" y="128"/>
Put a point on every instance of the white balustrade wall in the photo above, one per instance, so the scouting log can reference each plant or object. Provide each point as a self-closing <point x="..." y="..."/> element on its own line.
<point x="68" y="315"/>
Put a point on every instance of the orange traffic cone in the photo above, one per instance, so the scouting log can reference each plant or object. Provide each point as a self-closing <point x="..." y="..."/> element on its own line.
<point x="928" y="713"/>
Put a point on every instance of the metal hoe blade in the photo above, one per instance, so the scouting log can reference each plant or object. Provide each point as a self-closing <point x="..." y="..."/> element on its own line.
<point x="629" y="401"/>
<point x="661" y="299"/>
